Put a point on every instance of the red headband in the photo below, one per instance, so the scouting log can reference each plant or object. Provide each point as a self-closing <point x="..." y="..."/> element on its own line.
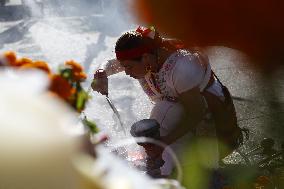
<point x="133" y="53"/>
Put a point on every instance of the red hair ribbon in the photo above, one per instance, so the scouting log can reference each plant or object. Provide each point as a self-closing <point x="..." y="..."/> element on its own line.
<point x="146" y="32"/>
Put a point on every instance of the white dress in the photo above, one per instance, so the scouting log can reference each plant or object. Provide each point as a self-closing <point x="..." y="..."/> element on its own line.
<point x="181" y="72"/>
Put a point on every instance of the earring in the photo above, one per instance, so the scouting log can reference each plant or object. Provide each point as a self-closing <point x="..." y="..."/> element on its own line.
<point x="148" y="68"/>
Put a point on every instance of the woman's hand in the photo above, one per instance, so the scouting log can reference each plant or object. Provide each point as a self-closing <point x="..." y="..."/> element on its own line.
<point x="100" y="82"/>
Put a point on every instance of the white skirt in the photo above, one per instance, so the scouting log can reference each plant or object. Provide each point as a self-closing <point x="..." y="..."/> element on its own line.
<point x="168" y="114"/>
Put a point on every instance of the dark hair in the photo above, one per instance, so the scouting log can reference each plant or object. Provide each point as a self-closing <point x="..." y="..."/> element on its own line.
<point x="134" y="39"/>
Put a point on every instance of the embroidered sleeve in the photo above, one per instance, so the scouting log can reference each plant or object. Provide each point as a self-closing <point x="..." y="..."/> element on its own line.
<point x="187" y="74"/>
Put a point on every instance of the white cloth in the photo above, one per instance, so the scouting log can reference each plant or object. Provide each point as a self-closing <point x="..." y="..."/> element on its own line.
<point x="186" y="74"/>
<point x="168" y="114"/>
<point x="181" y="72"/>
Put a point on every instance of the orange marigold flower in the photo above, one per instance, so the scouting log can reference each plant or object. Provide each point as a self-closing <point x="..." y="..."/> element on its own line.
<point x="10" y="57"/>
<point x="61" y="87"/>
<point x="39" y="65"/>
<point x="76" y="67"/>
<point x="78" y="71"/>
<point x="26" y="66"/>
<point x="80" y="76"/>
<point x="42" y="65"/>
<point x="22" y="61"/>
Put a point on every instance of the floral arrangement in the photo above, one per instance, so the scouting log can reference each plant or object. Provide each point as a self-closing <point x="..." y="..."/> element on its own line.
<point x="64" y="84"/>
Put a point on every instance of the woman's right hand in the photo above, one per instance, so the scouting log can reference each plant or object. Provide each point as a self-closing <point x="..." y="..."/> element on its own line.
<point x="100" y="82"/>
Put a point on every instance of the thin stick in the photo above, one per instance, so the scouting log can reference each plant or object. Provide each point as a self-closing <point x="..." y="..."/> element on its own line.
<point x="116" y="113"/>
<point x="113" y="109"/>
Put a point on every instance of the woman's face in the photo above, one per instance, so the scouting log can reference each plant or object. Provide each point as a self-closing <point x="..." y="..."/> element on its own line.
<point x="135" y="69"/>
<point x="138" y="69"/>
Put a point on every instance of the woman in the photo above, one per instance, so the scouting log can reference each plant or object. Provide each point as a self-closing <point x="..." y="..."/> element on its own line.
<point x="181" y="84"/>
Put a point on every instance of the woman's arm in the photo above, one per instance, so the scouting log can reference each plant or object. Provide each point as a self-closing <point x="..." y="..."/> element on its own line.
<point x="112" y="67"/>
<point x="100" y="81"/>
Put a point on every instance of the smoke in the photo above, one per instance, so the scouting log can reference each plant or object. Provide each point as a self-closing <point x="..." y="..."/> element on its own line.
<point x="84" y="31"/>
<point x="78" y="30"/>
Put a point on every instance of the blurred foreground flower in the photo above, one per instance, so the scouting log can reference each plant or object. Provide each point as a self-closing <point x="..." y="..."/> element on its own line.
<point x="254" y="27"/>
<point x="36" y="150"/>
<point x="43" y="147"/>
<point x="66" y="84"/>
<point x="8" y="58"/>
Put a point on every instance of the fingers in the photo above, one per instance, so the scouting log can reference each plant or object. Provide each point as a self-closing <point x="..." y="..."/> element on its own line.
<point x="93" y="85"/>
<point x="100" y="82"/>
<point x="100" y="73"/>
<point x="99" y="86"/>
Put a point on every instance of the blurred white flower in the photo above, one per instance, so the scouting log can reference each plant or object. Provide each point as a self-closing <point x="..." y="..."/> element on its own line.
<point x="35" y="151"/>
<point x="24" y="81"/>
<point x="41" y="144"/>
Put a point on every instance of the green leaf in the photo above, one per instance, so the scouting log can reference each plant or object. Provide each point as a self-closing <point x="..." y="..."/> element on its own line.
<point x="90" y="125"/>
<point x="82" y="98"/>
